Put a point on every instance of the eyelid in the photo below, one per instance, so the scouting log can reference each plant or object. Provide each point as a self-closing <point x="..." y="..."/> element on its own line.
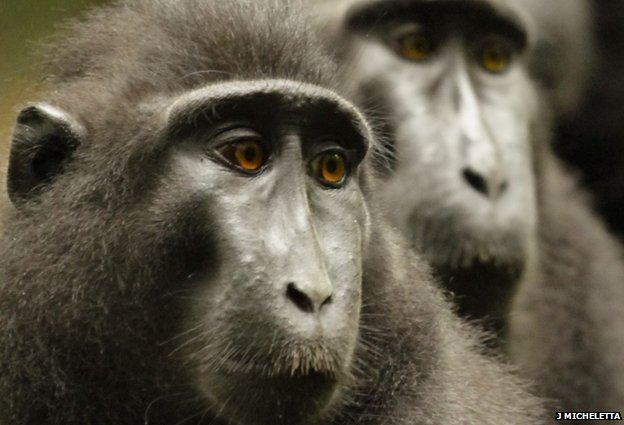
<point x="401" y="30"/>
<point x="223" y="143"/>
<point x="323" y="144"/>
<point x="352" y="154"/>
<point x="499" y="40"/>
<point x="417" y="29"/>
<point x="234" y="133"/>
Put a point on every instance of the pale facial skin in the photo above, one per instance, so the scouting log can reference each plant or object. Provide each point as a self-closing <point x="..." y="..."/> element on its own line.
<point x="449" y="81"/>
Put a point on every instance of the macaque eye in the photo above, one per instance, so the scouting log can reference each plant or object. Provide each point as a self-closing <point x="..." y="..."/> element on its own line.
<point x="415" y="46"/>
<point x="330" y="168"/>
<point x="495" y="57"/>
<point x="245" y="155"/>
<point x="249" y="155"/>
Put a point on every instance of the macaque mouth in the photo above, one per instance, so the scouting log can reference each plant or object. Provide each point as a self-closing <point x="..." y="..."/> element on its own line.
<point x="453" y="247"/>
<point x="484" y="290"/>
<point x="303" y="362"/>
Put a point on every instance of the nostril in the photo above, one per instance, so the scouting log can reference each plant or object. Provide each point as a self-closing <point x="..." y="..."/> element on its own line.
<point x="300" y="299"/>
<point x="327" y="300"/>
<point x="476" y="181"/>
<point x="503" y="187"/>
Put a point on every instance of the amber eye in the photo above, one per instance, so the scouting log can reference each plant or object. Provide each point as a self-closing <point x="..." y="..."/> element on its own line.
<point x="330" y="168"/>
<point x="246" y="155"/>
<point x="416" y="47"/>
<point x="495" y="57"/>
<point x="249" y="155"/>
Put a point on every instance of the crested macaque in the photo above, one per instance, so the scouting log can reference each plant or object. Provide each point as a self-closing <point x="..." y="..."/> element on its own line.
<point x="470" y="177"/>
<point x="194" y="239"/>
<point x="458" y="112"/>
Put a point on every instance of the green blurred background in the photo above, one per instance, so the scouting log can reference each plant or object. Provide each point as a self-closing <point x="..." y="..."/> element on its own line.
<point x="25" y="25"/>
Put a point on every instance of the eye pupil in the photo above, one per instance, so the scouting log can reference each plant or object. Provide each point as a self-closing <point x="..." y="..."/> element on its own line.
<point x="495" y="58"/>
<point x="332" y="169"/>
<point x="494" y="54"/>
<point x="415" y="46"/>
<point x="248" y="155"/>
<point x="332" y="166"/>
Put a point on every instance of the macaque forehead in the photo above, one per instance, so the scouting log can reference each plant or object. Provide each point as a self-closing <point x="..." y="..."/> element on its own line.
<point x="457" y="15"/>
<point x="270" y="102"/>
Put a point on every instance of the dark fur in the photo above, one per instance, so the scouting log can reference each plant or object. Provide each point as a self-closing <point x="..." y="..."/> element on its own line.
<point x="591" y="136"/>
<point x="91" y="268"/>
<point x="579" y="64"/>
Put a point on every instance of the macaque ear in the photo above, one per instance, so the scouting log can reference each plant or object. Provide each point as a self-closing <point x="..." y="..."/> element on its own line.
<point x="43" y="142"/>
